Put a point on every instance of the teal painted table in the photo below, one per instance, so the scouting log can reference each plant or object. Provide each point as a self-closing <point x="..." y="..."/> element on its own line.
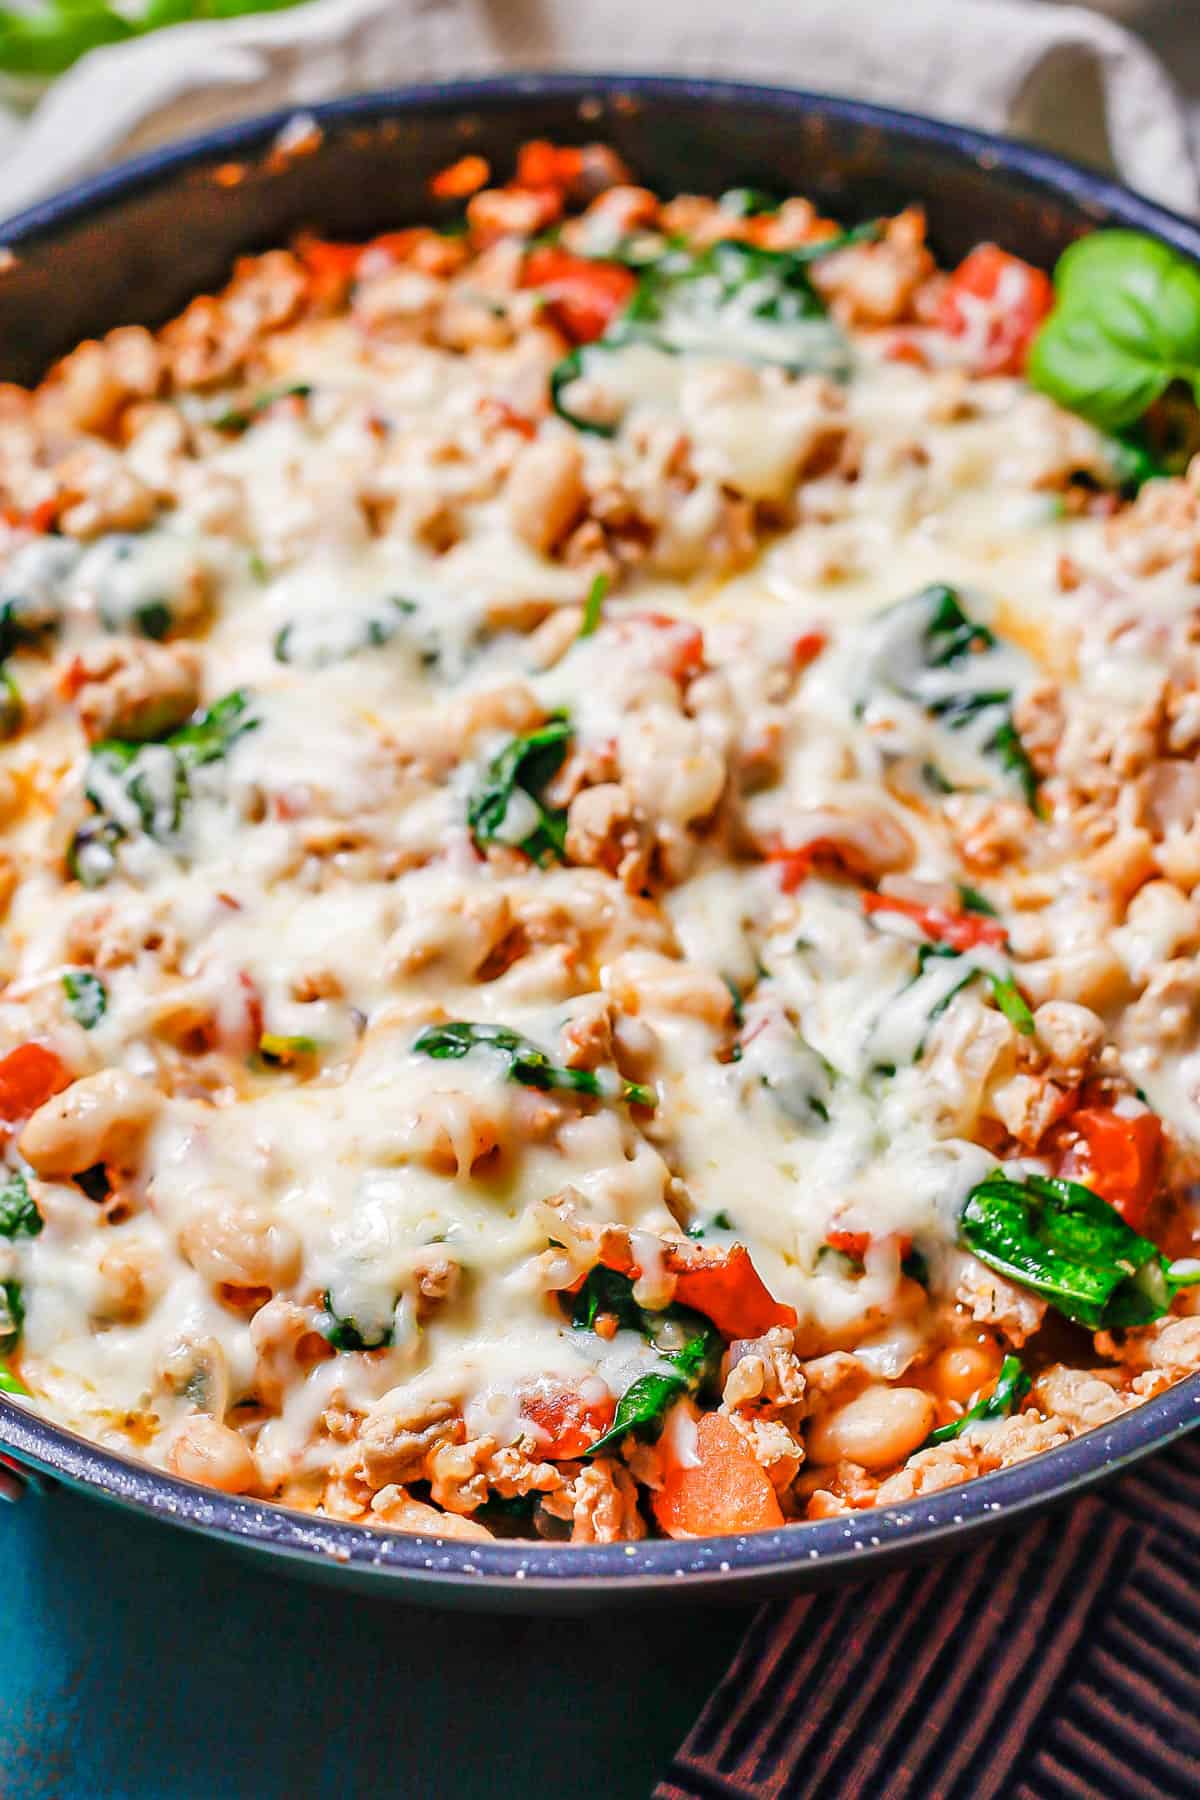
<point x="139" y="1664"/>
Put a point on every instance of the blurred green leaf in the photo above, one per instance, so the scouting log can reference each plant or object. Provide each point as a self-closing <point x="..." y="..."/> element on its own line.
<point x="48" y="39"/>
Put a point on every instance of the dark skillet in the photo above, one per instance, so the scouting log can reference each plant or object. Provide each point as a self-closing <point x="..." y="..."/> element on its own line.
<point x="136" y="244"/>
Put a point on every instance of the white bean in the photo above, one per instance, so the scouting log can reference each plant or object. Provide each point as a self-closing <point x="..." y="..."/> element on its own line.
<point x="877" y="1429"/>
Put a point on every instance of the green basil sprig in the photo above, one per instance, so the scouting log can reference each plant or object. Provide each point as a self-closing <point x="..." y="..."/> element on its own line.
<point x="594" y="606"/>
<point x="1005" y="992"/>
<point x="642" y="1408"/>
<point x="19" y="1217"/>
<point x="12" y="704"/>
<point x="1125" y="325"/>
<point x="524" y="767"/>
<point x="346" y="1333"/>
<point x="240" y="418"/>
<point x="1012" y="1385"/>
<point x="132" y="786"/>
<point x="56" y="33"/>
<point x="730" y="298"/>
<point x="925" y="643"/>
<point x="696" y="1362"/>
<point x="87" y="997"/>
<point x="1071" y="1247"/>
<point x="526" y="1063"/>
<point x="12" y="1315"/>
<point x="1012" y="1004"/>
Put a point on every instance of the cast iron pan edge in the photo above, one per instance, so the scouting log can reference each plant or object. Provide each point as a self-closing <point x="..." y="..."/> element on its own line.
<point x="134" y="244"/>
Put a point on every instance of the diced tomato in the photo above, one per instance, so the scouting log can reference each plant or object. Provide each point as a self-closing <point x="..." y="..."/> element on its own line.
<point x="29" y="1075"/>
<point x="807" y="648"/>
<point x="678" y="646"/>
<point x="495" y="213"/>
<point x="582" y="297"/>
<point x="724" y="1285"/>
<point x="395" y="246"/>
<point x="543" y="164"/>
<point x="717" y="1490"/>
<point x="461" y="179"/>
<point x="1118" y="1156"/>
<point x="857" y="1243"/>
<point x="73" y="677"/>
<point x="720" y="1282"/>
<point x="796" y="862"/>
<point x="905" y="350"/>
<point x="330" y="267"/>
<point x="571" y="1422"/>
<point x="945" y="925"/>
<point x="40" y="518"/>
<point x="850" y="1243"/>
<point x="501" y="415"/>
<point x="1000" y="301"/>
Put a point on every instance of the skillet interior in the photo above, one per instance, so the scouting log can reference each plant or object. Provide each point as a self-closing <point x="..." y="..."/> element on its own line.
<point x="134" y="245"/>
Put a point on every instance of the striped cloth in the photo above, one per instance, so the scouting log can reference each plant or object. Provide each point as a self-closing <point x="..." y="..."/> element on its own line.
<point x="1062" y="1662"/>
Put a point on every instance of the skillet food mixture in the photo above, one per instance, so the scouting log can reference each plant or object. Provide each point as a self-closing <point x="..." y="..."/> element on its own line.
<point x="601" y="860"/>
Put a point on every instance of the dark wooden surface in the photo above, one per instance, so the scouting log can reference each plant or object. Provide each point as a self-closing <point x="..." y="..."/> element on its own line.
<point x="137" y="1662"/>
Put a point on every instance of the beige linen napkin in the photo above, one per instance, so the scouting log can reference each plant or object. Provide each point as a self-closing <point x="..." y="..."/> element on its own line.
<point x="1063" y="75"/>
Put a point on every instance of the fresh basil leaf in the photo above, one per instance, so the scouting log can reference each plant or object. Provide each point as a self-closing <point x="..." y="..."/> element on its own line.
<point x="698" y="1356"/>
<point x="928" y="649"/>
<point x="33" y="589"/>
<point x="720" y="1221"/>
<point x="1012" y="1004"/>
<point x="748" y="202"/>
<point x="346" y="1333"/>
<point x="935" y="781"/>
<point x="641" y="1408"/>
<point x="144" y="787"/>
<point x="12" y="1315"/>
<point x="730" y="299"/>
<point x="738" y="1009"/>
<point x="524" y="767"/>
<point x="19" y="1217"/>
<point x="240" y="418"/>
<point x="342" y="632"/>
<point x="87" y="997"/>
<point x="1011" y="754"/>
<point x="564" y="372"/>
<point x="526" y="1063"/>
<point x="12" y="704"/>
<point x="1134" y="460"/>
<point x="1125" y="325"/>
<point x="739" y="300"/>
<point x="212" y="733"/>
<point x="1075" y="361"/>
<point x="606" y="1291"/>
<point x="644" y="1404"/>
<point x="1012" y="1385"/>
<point x="594" y="606"/>
<point x="1067" y="1244"/>
<point x="47" y="41"/>
<point x="972" y="900"/>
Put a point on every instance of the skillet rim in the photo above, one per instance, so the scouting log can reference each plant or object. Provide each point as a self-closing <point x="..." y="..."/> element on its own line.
<point x="450" y="1572"/>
